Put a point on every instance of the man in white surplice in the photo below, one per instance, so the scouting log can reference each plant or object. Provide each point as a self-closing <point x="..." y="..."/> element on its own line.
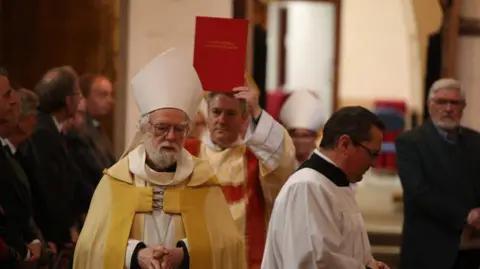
<point x="316" y="223"/>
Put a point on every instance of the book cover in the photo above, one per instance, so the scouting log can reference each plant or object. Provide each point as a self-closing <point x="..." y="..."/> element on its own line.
<point x="220" y="52"/>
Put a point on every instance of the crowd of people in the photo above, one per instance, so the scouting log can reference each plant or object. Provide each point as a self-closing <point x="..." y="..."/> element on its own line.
<point x="52" y="157"/>
<point x="215" y="181"/>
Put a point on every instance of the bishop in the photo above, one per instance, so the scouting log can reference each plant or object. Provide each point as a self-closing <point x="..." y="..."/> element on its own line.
<point x="159" y="206"/>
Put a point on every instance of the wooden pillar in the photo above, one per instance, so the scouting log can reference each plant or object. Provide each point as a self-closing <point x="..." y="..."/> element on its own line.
<point x="450" y="34"/>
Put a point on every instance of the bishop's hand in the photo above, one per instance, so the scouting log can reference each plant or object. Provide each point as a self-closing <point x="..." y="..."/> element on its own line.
<point x="153" y="258"/>
<point x="176" y="257"/>
<point x="382" y="265"/>
<point x="373" y="264"/>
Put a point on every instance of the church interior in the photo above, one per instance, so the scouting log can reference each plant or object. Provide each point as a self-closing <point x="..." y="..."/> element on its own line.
<point x="382" y="55"/>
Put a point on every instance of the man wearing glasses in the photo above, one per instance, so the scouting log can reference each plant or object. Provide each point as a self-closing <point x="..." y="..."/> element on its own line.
<point x="438" y="167"/>
<point x="159" y="207"/>
<point x="316" y="222"/>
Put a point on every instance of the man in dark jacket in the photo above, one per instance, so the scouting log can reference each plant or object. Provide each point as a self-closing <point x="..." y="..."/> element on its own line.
<point x="61" y="188"/>
<point x="438" y="167"/>
<point x="99" y="102"/>
<point x="9" y="257"/>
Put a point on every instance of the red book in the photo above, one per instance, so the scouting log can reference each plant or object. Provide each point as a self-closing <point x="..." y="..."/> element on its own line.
<point x="220" y="52"/>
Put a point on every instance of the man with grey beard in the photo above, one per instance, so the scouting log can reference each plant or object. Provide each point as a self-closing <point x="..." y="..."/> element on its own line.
<point x="438" y="166"/>
<point x="158" y="206"/>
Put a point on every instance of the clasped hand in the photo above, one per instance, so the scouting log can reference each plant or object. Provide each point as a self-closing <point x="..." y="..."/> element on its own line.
<point x="160" y="257"/>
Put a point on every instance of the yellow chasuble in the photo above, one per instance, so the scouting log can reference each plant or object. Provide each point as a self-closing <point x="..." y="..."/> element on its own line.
<point x="117" y="213"/>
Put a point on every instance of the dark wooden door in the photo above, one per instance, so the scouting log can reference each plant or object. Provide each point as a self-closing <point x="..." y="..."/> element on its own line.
<point x="38" y="35"/>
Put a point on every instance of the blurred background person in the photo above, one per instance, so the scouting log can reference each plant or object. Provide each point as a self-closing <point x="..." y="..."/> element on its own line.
<point x="199" y="126"/>
<point x="303" y="116"/>
<point x="437" y="164"/>
<point x="99" y="101"/>
<point x="81" y="149"/>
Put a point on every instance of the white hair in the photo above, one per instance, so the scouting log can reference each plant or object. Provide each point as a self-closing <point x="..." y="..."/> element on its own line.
<point x="445" y="83"/>
<point x="143" y="122"/>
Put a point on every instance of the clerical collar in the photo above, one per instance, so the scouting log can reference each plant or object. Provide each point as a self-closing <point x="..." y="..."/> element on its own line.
<point x="323" y="165"/>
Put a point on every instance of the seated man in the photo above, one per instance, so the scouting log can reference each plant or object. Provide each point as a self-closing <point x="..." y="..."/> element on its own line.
<point x="9" y="257"/>
<point x="159" y="205"/>
<point x="81" y="149"/>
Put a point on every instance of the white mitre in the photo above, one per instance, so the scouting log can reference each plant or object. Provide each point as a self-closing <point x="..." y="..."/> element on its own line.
<point x="302" y="110"/>
<point x="168" y="81"/>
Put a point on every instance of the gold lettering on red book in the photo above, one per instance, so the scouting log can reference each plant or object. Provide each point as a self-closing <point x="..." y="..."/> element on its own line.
<point x="217" y="44"/>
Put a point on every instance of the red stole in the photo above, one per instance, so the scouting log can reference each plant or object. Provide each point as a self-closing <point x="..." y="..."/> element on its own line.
<point x="255" y="226"/>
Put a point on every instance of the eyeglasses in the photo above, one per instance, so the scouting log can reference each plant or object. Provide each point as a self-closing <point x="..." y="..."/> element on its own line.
<point x="371" y="152"/>
<point x="162" y="129"/>
<point x="444" y="102"/>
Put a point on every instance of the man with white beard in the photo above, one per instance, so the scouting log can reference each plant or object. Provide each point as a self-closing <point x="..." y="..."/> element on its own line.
<point x="158" y="206"/>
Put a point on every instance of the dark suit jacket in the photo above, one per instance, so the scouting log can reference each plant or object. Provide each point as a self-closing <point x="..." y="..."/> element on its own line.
<point x="100" y="142"/>
<point x="439" y="191"/>
<point x="60" y="189"/>
<point x="9" y="257"/>
<point x="86" y="158"/>
<point x="16" y="204"/>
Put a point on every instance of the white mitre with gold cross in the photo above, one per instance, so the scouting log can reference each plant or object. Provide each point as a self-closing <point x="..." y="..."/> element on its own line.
<point x="303" y="110"/>
<point x="168" y="81"/>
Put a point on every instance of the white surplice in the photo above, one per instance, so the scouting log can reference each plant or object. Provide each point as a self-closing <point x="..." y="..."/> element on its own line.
<point x="316" y="224"/>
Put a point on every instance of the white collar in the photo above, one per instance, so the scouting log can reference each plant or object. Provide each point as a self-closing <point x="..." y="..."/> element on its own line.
<point x="319" y="153"/>
<point x="2" y="140"/>
<point x="58" y="124"/>
<point x="13" y="149"/>
<point x="6" y="142"/>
